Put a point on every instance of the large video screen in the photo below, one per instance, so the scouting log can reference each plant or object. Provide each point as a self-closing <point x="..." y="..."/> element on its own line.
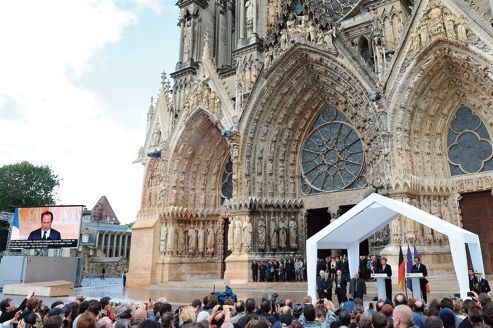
<point x="46" y="227"/>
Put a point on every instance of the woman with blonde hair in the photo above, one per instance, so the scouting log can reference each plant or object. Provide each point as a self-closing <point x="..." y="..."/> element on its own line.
<point x="188" y="316"/>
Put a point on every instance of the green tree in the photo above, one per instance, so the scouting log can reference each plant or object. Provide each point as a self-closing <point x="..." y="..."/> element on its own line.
<point x="25" y="184"/>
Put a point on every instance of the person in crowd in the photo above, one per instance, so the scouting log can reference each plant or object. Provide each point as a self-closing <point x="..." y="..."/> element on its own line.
<point x="482" y="283"/>
<point x="473" y="281"/>
<point x="448" y="317"/>
<point x="341" y="287"/>
<point x="8" y="308"/>
<point x="255" y="271"/>
<point x="379" y="320"/>
<point x="281" y="270"/>
<point x="106" y="306"/>
<point x="124" y="278"/>
<point x="419" y="316"/>
<point x="402" y="316"/>
<point x="357" y="287"/>
<point x="386" y="268"/>
<point x="262" y="269"/>
<point x="418" y="267"/>
<point x="324" y="285"/>
<point x="240" y="312"/>
<point x="345" y="267"/>
<point x="434" y="322"/>
<point x="250" y="307"/>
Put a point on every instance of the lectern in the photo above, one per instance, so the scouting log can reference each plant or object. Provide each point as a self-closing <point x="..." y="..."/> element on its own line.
<point x="415" y="282"/>
<point x="381" y="291"/>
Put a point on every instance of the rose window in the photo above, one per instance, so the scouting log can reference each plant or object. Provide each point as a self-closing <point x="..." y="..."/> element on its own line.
<point x="332" y="157"/>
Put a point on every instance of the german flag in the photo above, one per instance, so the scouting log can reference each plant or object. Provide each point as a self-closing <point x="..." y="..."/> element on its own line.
<point x="401" y="276"/>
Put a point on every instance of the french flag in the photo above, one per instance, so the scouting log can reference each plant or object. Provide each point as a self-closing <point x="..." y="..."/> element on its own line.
<point x="15" y="226"/>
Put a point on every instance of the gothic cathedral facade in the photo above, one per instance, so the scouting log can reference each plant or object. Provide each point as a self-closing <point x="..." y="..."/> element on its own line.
<point x="283" y="114"/>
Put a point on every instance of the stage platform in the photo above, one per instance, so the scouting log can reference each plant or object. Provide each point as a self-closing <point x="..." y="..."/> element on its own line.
<point x="58" y="288"/>
<point x="179" y="293"/>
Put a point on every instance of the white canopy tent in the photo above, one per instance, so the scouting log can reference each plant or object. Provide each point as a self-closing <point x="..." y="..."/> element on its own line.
<point x="371" y="215"/>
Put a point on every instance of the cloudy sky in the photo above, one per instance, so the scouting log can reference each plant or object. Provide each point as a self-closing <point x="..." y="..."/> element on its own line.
<point x="75" y="82"/>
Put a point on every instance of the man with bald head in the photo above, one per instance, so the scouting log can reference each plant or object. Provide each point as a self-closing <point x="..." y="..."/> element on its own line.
<point x="419" y="316"/>
<point x="402" y="316"/>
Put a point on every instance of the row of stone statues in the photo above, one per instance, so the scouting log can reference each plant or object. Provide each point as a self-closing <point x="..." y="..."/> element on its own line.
<point x="239" y="235"/>
<point x="198" y="239"/>
<point x="302" y="29"/>
<point x="438" y="22"/>
<point x="274" y="234"/>
<point x="410" y="231"/>
<point x="276" y="238"/>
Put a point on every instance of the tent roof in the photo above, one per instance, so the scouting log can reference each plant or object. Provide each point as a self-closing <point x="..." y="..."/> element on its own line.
<point x="373" y="213"/>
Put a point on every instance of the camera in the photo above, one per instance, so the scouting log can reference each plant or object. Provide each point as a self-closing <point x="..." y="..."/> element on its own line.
<point x="320" y="301"/>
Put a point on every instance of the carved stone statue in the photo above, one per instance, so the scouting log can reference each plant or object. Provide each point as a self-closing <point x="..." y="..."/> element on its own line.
<point x="261" y="229"/>
<point x="446" y="212"/>
<point x="187" y="36"/>
<point x="247" y="235"/>
<point x="231" y="235"/>
<point x="181" y="240"/>
<point x="293" y="233"/>
<point x="329" y="37"/>
<point x="273" y="233"/>
<point x="171" y="239"/>
<point x="237" y="235"/>
<point x="449" y="21"/>
<point x="423" y="34"/>
<point x="268" y="57"/>
<point x="462" y="27"/>
<point x="249" y="16"/>
<point x="436" y="211"/>
<point x="156" y="137"/>
<point x="162" y="238"/>
<point x="210" y="239"/>
<point x="312" y="32"/>
<point x="395" y="228"/>
<point x="284" y="39"/>
<point x="201" y="239"/>
<point x="427" y="233"/>
<point x="282" y="233"/>
<point x="192" y="240"/>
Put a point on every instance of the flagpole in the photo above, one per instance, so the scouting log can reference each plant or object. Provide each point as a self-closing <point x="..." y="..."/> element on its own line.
<point x="406" y="277"/>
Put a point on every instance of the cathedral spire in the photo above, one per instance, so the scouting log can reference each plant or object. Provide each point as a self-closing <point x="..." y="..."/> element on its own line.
<point x="150" y="112"/>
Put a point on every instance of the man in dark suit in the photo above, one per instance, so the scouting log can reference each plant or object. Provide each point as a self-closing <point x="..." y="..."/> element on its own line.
<point x="386" y="268"/>
<point x="483" y="285"/>
<point x="255" y="271"/>
<point x="421" y="268"/>
<point x="357" y="287"/>
<point x="341" y="287"/>
<point x="324" y="286"/>
<point x="46" y="232"/>
<point x="473" y="281"/>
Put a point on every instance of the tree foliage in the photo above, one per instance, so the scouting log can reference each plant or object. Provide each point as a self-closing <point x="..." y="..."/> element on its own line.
<point x="25" y="184"/>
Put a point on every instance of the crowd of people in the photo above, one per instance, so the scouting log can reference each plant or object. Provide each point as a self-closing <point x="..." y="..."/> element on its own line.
<point x="279" y="270"/>
<point x="295" y="269"/>
<point x="270" y="312"/>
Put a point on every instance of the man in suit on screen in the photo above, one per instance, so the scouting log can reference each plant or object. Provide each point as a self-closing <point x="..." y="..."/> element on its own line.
<point x="46" y="232"/>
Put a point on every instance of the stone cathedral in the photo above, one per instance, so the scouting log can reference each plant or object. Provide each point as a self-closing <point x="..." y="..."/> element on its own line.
<point x="283" y="114"/>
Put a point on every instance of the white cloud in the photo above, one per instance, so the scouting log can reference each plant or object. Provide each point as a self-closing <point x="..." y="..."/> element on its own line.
<point x="46" y="118"/>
